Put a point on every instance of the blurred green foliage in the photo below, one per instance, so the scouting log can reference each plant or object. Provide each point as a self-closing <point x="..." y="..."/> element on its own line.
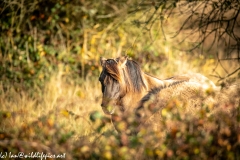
<point x="37" y="37"/>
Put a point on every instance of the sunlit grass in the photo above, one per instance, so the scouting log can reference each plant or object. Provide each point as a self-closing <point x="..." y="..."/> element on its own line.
<point x="68" y="103"/>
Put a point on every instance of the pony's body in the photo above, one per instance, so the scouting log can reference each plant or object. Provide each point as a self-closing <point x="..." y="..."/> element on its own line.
<point x="188" y="88"/>
<point x="190" y="97"/>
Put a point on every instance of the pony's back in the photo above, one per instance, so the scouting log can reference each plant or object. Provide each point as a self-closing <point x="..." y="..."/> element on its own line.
<point x="183" y="87"/>
<point x="189" y="92"/>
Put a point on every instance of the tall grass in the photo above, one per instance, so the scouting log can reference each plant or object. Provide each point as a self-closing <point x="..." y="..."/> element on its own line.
<point x="70" y="104"/>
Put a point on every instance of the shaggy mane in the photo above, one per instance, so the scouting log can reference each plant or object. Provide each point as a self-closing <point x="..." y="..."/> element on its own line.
<point x="132" y="74"/>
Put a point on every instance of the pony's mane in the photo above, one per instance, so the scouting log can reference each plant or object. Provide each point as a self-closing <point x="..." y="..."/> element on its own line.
<point x="132" y="74"/>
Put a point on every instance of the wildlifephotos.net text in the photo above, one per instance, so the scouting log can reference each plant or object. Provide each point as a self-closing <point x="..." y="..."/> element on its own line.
<point x="39" y="155"/>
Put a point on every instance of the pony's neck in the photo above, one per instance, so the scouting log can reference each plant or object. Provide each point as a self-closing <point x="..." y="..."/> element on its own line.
<point x="153" y="82"/>
<point x="131" y="99"/>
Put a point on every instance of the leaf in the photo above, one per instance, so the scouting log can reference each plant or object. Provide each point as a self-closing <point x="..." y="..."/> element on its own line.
<point x="95" y="115"/>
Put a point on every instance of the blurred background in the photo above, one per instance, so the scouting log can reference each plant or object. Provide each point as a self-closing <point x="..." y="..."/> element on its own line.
<point x="50" y="50"/>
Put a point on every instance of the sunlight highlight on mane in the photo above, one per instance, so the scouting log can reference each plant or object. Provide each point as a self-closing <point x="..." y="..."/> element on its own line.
<point x="131" y="74"/>
<point x="112" y="69"/>
<point x="135" y="77"/>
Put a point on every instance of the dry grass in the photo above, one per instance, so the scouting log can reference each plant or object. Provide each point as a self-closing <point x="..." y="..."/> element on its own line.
<point x="67" y="103"/>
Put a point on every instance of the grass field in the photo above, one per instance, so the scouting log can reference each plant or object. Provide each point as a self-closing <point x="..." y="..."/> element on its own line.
<point x="70" y="104"/>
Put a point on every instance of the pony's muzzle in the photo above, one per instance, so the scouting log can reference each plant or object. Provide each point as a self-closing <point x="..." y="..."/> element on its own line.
<point x="108" y="106"/>
<point x="108" y="109"/>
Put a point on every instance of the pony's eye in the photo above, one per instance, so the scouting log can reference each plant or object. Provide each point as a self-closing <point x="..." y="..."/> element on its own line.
<point x="103" y="88"/>
<point x="101" y="78"/>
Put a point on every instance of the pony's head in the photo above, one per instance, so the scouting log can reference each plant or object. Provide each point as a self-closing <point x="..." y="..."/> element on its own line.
<point x="119" y="77"/>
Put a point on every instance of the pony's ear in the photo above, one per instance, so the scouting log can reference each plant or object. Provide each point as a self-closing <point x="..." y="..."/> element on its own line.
<point x="122" y="61"/>
<point x="103" y="61"/>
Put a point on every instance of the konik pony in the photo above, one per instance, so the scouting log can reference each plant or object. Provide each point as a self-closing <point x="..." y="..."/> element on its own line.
<point x="127" y="88"/>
